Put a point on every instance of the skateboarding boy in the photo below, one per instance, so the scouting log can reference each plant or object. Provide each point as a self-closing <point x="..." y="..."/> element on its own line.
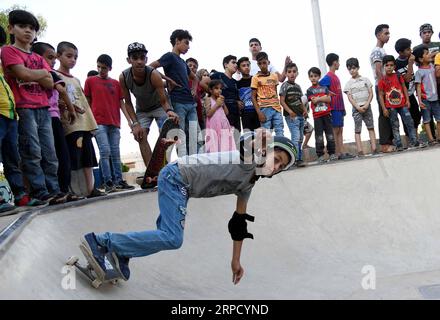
<point x="198" y="176"/>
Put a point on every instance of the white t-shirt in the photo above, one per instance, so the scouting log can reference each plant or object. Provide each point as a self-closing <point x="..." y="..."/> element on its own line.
<point x="359" y="89"/>
<point x="254" y="70"/>
<point x="376" y="56"/>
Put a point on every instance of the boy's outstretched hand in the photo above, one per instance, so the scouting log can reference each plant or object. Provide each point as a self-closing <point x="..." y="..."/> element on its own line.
<point x="237" y="272"/>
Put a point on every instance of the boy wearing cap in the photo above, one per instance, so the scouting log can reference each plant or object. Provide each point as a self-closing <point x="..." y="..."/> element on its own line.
<point x="105" y="97"/>
<point x="426" y="33"/>
<point x="197" y="176"/>
<point x="152" y="104"/>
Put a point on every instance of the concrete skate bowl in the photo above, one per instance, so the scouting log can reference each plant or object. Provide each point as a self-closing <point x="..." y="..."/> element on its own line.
<point x="364" y="229"/>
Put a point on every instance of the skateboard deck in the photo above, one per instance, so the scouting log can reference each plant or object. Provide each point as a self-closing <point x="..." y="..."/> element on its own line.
<point x="92" y="271"/>
<point x="168" y="137"/>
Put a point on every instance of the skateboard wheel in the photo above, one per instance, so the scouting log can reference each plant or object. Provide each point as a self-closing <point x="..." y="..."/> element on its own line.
<point x="96" y="284"/>
<point x="72" y="261"/>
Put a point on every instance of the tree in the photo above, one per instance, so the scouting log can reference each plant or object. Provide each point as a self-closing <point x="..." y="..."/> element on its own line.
<point x="4" y="20"/>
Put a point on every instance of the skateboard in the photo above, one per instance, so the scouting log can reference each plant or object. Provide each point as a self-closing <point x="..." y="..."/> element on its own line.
<point x="111" y="276"/>
<point x="168" y="137"/>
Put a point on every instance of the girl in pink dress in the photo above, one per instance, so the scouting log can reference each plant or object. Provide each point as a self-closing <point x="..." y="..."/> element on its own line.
<point x="219" y="133"/>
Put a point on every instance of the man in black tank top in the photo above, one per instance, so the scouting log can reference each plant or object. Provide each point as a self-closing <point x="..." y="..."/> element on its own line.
<point x="151" y="100"/>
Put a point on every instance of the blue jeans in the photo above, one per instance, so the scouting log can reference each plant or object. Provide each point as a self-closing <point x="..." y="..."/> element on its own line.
<point x="173" y="200"/>
<point x="108" y="139"/>
<point x="9" y="155"/>
<point x="37" y="150"/>
<point x="296" y="127"/>
<point x="407" y="121"/>
<point x="189" y="123"/>
<point x="274" y="120"/>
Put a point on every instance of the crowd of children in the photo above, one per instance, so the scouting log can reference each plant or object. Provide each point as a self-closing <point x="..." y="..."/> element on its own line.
<point x="48" y="122"/>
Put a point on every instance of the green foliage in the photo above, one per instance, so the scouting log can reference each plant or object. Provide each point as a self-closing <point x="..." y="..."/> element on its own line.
<point x="4" y="20"/>
<point x="125" y="168"/>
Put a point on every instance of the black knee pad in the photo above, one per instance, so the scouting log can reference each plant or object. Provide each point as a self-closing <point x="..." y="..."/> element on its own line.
<point x="238" y="227"/>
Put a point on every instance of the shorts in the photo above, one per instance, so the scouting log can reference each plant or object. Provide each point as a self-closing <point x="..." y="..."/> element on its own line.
<point x="81" y="150"/>
<point x="146" y="118"/>
<point x="432" y="111"/>
<point x="308" y="128"/>
<point x="338" y="118"/>
<point x="366" y="117"/>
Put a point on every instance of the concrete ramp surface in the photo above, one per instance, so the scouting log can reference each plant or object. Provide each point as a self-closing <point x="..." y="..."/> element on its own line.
<point x="324" y="232"/>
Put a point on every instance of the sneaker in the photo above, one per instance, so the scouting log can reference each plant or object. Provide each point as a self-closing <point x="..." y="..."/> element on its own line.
<point x="322" y="160"/>
<point x="432" y="143"/>
<point x="361" y="154"/>
<point x="400" y="149"/>
<point x="334" y="157"/>
<point x="55" y="199"/>
<point x="96" y="193"/>
<point x="123" y="185"/>
<point x="95" y="254"/>
<point x="300" y="164"/>
<point x="346" y="156"/>
<point x="121" y="264"/>
<point x="6" y="208"/>
<point x="26" y="201"/>
<point x="109" y="187"/>
<point x="71" y="197"/>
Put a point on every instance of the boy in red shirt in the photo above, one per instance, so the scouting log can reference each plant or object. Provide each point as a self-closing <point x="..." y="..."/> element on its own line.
<point x="320" y="98"/>
<point x="105" y="97"/>
<point x="29" y="77"/>
<point x="394" y="100"/>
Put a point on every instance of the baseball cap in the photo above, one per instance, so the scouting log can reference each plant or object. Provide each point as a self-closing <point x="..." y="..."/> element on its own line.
<point x="136" y="47"/>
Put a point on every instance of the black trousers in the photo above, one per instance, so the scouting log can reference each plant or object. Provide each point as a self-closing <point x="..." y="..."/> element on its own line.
<point x="324" y="125"/>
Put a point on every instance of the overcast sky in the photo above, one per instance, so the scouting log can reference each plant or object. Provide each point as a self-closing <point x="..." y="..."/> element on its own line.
<point x="224" y="27"/>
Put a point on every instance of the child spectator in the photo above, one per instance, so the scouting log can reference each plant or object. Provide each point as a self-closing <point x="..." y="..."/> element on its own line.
<point x="360" y="94"/>
<point x="203" y="77"/>
<point x="193" y="65"/>
<point x="308" y="127"/>
<point x="79" y="134"/>
<point x="394" y="100"/>
<point x="105" y="97"/>
<point x="29" y="77"/>
<point x="294" y="110"/>
<point x="219" y="133"/>
<point x="249" y="116"/>
<point x="9" y="154"/>
<point x="64" y="172"/>
<point x="320" y="98"/>
<point x="265" y="97"/>
<point x="427" y="93"/>
<point x="405" y="67"/>
<point x="92" y="73"/>
<point x="332" y="82"/>
<point x="178" y="74"/>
